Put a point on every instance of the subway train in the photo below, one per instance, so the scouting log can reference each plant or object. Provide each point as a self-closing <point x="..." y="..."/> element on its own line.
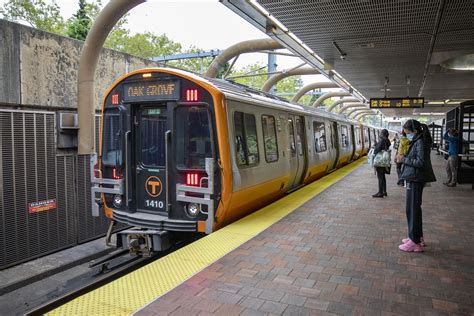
<point x="184" y="153"/>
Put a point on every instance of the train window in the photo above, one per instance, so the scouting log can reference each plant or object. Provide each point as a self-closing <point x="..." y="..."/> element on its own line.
<point x="358" y="135"/>
<point x="366" y="135"/>
<point x="291" y="136"/>
<point x="319" y="137"/>
<point x="246" y="139"/>
<point x="344" y="136"/>
<point x="152" y="137"/>
<point x="270" y="138"/>
<point x="299" y="136"/>
<point x="193" y="137"/>
<point x="111" y="140"/>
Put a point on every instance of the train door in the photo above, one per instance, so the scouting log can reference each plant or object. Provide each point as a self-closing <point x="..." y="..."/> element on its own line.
<point x="334" y="135"/>
<point x="353" y="142"/>
<point x="297" y="157"/>
<point x="151" y="127"/>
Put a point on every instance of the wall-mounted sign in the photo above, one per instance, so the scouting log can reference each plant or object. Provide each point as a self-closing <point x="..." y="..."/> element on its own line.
<point x="151" y="91"/>
<point x="396" y="103"/>
<point x="41" y="206"/>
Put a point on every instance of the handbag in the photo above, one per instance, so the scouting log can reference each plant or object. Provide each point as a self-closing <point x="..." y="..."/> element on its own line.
<point x="370" y="157"/>
<point x="382" y="159"/>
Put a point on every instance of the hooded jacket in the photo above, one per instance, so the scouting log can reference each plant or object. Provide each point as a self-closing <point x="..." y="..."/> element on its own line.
<point x="417" y="163"/>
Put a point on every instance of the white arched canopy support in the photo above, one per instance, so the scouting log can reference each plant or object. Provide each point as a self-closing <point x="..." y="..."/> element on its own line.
<point x="355" y="116"/>
<point x="330" y="94"/>
<point x="341" y="101"/>
<point x="364" y="115"/>
<point x="352" y="105"/>
<point x="356" y="109"/>
<point x="95" y="39"/>
<point x="312" y="86"/>
<point x="274" y="79"/>
<point x="230" y="52"/>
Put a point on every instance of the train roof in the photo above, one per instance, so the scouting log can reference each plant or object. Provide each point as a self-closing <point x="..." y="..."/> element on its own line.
<point x="235" y="91"/>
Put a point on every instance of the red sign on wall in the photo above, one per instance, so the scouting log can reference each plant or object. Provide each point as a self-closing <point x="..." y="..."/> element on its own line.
<point x="41" y="206"/>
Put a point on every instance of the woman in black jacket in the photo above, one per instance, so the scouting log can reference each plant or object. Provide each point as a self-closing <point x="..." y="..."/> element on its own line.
<point x="416" y="172"/>
<point x="382" y="144"/>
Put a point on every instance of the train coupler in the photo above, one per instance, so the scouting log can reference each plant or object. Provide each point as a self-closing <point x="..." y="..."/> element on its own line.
<point x="143" y="242"/>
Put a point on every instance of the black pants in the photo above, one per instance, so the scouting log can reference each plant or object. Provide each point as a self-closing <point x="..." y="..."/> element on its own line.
<point x="382" y="180"/>
<point x="413" y="208"/>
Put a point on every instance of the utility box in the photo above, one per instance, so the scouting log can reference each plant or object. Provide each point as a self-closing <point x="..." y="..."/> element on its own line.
<point x="67" y="129"/>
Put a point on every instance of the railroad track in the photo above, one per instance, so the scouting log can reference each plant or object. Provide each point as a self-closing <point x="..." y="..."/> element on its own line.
<point x="106" y="273"/>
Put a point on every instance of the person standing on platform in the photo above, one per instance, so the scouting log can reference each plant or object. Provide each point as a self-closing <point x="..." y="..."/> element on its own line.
<point x="416" y="171"/>
<point x="451" y="136"/>
<point x="382" y="144"/>
<point x="403" y="144"/>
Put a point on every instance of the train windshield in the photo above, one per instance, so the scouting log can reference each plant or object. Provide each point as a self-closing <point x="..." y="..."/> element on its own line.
<point x="111" y="141"/>
<point x="193" y="137"/>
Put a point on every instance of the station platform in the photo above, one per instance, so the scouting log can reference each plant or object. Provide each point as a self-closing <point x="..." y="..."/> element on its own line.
<point x="326" y="249"/>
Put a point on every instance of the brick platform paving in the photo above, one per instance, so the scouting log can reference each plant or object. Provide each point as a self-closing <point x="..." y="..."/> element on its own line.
<point x="338" y="254"/>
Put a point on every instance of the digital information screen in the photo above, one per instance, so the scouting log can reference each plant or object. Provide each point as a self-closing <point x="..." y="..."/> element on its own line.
<point x="396" y="103"/>
<point x="151" y="91"/>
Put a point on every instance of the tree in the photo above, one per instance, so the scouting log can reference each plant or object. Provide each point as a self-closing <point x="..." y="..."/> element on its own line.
<point x="80" y="23"/>
<point x="36" y="13"/>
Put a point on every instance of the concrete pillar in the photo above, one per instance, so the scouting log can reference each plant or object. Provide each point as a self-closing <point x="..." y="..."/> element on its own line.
<point x="101" y="28"/>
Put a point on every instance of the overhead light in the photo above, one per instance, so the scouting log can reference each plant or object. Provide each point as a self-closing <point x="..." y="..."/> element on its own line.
<point x="464" y="62"/>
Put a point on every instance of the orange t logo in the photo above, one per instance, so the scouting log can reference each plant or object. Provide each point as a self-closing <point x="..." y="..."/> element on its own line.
<point x="154" y="184"/>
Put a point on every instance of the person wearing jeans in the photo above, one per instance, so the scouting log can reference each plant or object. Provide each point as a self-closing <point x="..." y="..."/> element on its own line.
<point x="383" y="144"/>
<point x="451" y="136"/>
<point x="416" y="172"/>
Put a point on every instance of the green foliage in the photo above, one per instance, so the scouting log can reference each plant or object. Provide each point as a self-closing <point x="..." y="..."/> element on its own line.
<point x="37" y="13"/>
<point x="80" y="23"/>
<point x="144" y="45"/>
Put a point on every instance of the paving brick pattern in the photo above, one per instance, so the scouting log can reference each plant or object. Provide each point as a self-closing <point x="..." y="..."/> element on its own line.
<point x="338" y="255"/>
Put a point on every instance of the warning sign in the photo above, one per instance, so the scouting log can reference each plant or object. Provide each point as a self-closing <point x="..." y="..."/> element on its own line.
<point x="41" y="206"/>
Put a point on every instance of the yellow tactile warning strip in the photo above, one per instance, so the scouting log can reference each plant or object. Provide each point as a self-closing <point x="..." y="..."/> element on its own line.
<point x="133" y="291"/>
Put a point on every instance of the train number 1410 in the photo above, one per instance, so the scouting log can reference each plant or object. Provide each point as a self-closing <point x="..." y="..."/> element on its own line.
<point x="154" y="204"/>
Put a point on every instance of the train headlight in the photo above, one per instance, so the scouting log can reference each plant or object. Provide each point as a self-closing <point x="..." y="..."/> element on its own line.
<point x="117" y="201"/>
<point x="193" y="209"/>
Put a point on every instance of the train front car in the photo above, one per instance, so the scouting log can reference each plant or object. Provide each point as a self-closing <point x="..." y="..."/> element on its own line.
<point x="157" y="158"/>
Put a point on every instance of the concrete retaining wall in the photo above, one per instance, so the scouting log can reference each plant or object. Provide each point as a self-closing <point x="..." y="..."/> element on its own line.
<point x="40" y="68"/>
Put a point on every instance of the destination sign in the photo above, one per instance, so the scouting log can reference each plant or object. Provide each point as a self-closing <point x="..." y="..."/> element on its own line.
<point x="396" y="103"/>
<point x="151" y="91"/>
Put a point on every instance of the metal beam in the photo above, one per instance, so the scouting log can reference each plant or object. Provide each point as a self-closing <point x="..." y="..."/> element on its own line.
<point x="240" y="48"/>
<point x="273" y="80"/>
<point x="341" y="101"/>
<point x="95" y="39"/>
<point x="330" y="95"/>
<point x="209" y="53"/>
<point x="352" y="105"/>
<point x="312" y="86"/>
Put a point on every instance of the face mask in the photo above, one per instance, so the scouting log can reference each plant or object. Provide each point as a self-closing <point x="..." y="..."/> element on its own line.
<point x="410" y="136"/>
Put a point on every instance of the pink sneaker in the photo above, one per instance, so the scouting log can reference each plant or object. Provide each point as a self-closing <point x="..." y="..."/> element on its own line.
<point x="410" y="246"/>
<point x="422" y="241"/>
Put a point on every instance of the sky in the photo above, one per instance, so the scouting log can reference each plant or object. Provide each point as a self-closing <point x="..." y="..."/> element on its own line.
<point x="206" y="24"/>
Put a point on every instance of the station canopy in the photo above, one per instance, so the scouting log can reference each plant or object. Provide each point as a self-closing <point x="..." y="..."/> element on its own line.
<point x="377" y="48"/>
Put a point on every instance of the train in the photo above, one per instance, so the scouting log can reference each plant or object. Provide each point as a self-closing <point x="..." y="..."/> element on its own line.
<point x="182" y="153"/>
